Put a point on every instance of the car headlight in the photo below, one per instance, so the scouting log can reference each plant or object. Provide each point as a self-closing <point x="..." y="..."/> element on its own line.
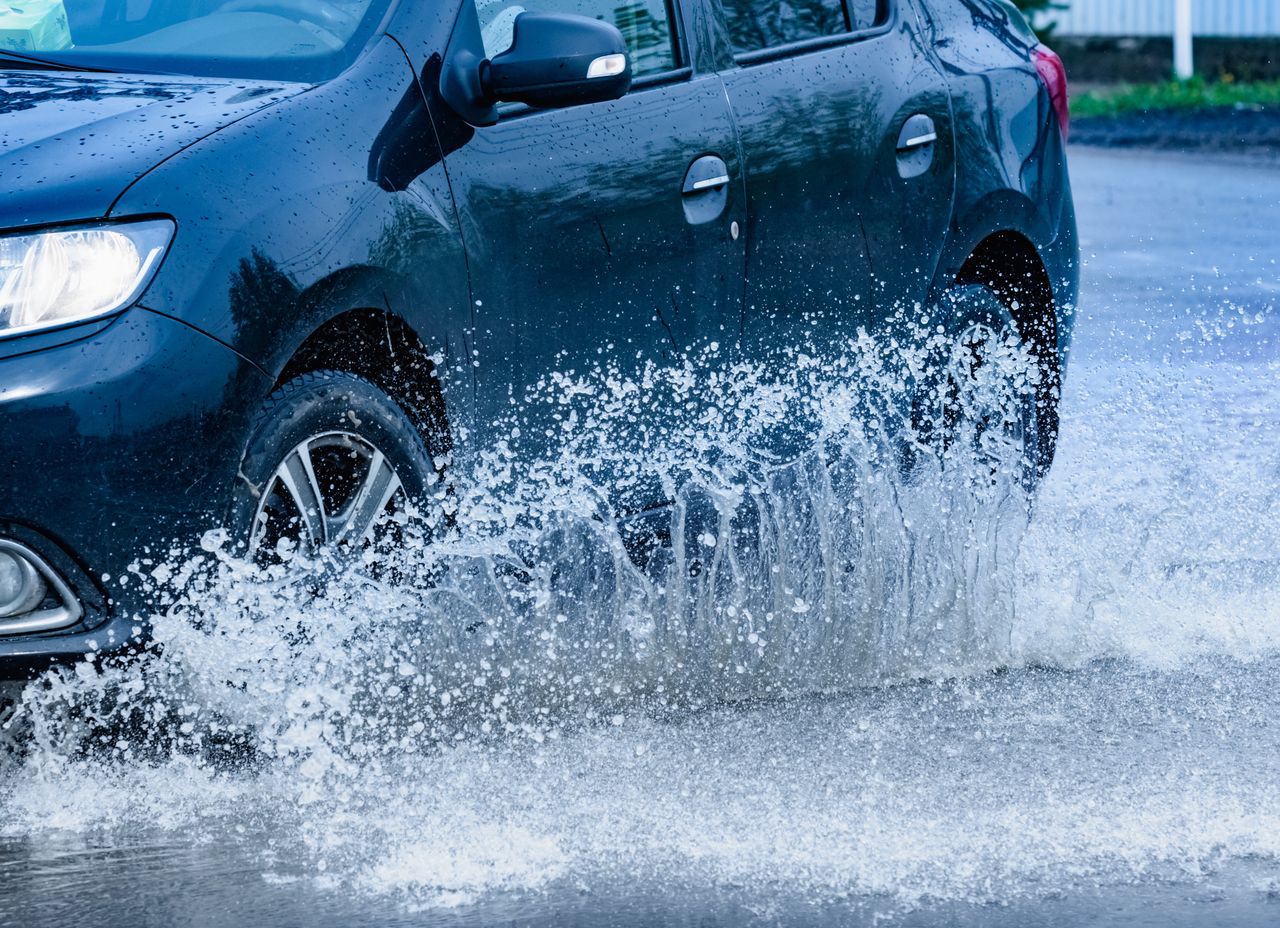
<point x="74" y="273"/>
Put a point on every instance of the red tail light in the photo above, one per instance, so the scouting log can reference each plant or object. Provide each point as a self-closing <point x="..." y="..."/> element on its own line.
<point x="1054" y="76"/>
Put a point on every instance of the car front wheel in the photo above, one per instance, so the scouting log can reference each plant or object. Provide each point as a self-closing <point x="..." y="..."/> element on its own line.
<point x="333" y="464"/>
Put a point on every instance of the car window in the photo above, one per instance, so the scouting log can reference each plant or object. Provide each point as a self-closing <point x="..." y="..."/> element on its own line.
<point x="867" y="14"/>
<point x="645" y="24"/>
<point x="761" y="24"/>
<point x="758" y="24"/>
<point x="307" y="40"/>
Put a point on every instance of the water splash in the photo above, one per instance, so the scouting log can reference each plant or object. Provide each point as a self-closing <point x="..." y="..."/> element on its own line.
<point x="518" y="704"/>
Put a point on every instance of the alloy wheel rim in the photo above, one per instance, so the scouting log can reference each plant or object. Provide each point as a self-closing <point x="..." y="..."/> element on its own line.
<point x="329" y="494"/>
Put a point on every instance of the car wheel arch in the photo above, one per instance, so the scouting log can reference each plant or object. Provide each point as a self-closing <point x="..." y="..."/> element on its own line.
<point x="383" y="348"/>
<point x="1009" y="264"/>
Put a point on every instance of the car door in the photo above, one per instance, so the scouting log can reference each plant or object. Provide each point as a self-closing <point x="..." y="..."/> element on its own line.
<point x="845" y="127"/>
<point x="596" y="234"/>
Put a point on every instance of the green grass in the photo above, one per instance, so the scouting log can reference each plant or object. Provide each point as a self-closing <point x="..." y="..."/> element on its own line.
<point x="1172" y="95"/>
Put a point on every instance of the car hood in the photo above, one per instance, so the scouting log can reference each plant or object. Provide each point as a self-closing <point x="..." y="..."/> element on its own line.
<point x="71" y="143"/>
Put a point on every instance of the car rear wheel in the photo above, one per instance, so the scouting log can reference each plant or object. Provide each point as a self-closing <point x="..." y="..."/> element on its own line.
<point x="333" y="465"/>
<point x="981" y="407"/>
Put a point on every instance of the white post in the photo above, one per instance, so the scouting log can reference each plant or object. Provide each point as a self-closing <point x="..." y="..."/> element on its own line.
<point x="1183" y="58"/>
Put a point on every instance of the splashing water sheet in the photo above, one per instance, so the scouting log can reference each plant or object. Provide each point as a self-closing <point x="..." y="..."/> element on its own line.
<point x="839" y="693"/>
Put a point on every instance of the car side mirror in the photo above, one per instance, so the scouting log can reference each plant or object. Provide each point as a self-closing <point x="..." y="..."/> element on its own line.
<point x="558" y="59"/>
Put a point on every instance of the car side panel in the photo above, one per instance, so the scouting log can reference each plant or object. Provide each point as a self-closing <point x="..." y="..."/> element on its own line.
<point x="1011" y="160"/>
<point x="843" y="225"/>
<point x="335" y="201"/>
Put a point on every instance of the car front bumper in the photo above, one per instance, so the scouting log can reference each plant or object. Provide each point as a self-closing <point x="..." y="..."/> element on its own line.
<point x="119" y="444"/>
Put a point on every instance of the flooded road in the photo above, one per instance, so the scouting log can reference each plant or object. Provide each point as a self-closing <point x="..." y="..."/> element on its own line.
<point x="1103" y="748"/>
<point x="1057" y="797"/>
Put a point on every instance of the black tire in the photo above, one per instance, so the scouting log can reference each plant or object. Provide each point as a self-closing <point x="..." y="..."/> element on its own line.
<point x="341" y="423"/>
<point x="975" y="321"/>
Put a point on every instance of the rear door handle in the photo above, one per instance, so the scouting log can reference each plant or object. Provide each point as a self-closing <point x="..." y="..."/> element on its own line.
<point x="916" y="146"/>
<point x="918" y="132"/>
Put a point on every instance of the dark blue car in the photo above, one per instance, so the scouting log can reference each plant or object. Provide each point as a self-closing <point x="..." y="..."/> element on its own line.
<point x="275" y="264"/>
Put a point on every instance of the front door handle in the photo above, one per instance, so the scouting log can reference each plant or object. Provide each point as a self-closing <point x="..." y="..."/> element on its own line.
<point x="705" y="189"/>
<point x="706" y="173"/>
<point x="707" y="183"/>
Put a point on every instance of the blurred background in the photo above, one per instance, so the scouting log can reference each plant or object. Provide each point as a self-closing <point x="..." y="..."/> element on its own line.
<point x="1176" y="74"/>
<point x="1133" y="40"/>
